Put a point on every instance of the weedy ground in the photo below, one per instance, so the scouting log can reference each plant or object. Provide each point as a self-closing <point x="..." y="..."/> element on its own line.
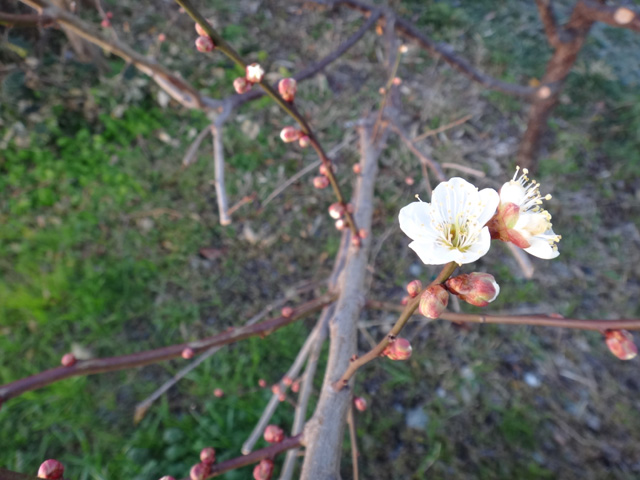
<point x="103" y="230"/>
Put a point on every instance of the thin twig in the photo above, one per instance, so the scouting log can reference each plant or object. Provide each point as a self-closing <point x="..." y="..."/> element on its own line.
<point x="462" y="168"/>
<point x="294" y="178"/>
<point x="548" y="17"/>
<point x="443" y="128"/>
<point x="433" y="165"/>
<point x="218" y="167"/>
<point x="25" y="20"/>
<point x="353" y="436"/>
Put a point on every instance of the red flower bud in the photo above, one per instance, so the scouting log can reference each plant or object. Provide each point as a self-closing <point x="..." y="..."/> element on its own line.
<point x="433" y="301"/>
<point x="273" y="434"/>
<point x="263" y="470"/>
<point x="254" y="73"/>
<point x="199" y="471"/>
<point x="187" y="353"/>
<point x="262" y="383"/>
<point x="399" y="349"/>
<point x="286" y="312"/>
<point x="336" y="210"/>
<point x="304" y="141"/>
<point x="414" y="287"/>
<point x="208" y="455"/>
<point x="51" y="469"/>
<point x="479" y="289"/>
<point x="620" y="343"/>
<point x="360" y="404"/>
<point x="320" y="182"/>
<point x="68" y="360"/>
<point x="288" y="88"/>
<point x="357" y="169"/>
<point x="290" y="134"/>
<point x="204" y="44"/>
<point x="341" y="224"/>
<point x="218" y="393"/>
<point x="241" y="85"/>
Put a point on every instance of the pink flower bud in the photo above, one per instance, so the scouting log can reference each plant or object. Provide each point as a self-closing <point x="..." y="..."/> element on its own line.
<point x="409" y="181"/>
<point x="68" y="360"/>
<point x="341" y="224"/>
<point x="290" y="134"/>
<point x="620" y="343"/>
<point x="241" y="85"/>
<point x="362" y="233"/>
<point x="263" y="470"/>
<point x="295" y="386"/>
<point x="200" y="31"/>
<point x="324" y="170"/>
<point x="105" y="23"/>
<point x="109" y="15"/>
<point x="199" y="471"/>
<point x="51" y="469"/>
<point x="479" y="289"/>
<point x="218" y="393"/>
<point x="288" y="88"/>
<point x="357" y="169"/>
<point x="287" y="312"/>
<point x="204" y="44"/>
<point x="320" y="182"/>
<point x="262" y="383"/>
<point x="255" y="73"/>
<point x="433" y="301"/>
<point x="356" y="241"/>
<point x="162" y="37"/>
<point x="399" y="349"/>
<point x="208" y="455"/>
<point x="304" y="141"/>
<point x="187" y="353"/>
<point x="360" y="404"/>
<point x="350" y="208"/>
<point x="275" y="389"/>
<point x="336" y="210"/>
<point x="414" y="287"/>
<point x="287" y="381"/>
<point x="397" y="81"/>
<point x="168" y="477"/>
<point x="273" y="434"/>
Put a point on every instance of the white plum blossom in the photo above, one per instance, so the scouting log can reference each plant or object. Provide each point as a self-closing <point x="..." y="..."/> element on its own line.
<point x="254" y="73"/>
<point x="452" y="227"/>
<point x="524" y="221"/>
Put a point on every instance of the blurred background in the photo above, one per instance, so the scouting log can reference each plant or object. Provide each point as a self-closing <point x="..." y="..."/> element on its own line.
<point x="108" y="245"/>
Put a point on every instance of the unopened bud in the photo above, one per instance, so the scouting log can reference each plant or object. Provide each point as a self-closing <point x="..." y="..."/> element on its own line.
<point x="262" y="383"/>
<point x="187" y="353"/>
<point x="51" y="469"/>
<point x="200" y="31"/>
<point x="350" y="208"/>
<point x="304" y="141"/>
<point x="263" y="470"/>
<point x="357" y="169"/>
<point x="208" y="455"/>
<point x="109" y="15"/>
<point x="295" y="386"/>
<point x="282" y="397"/>
<point x="168" y="477"/>
<point x="382" y="90"/>
<point x="320" y="181"/>
<point x="479" y="289"/>
<point x="254" y="73"/>
<point x="336" y="210"/>
<point x="241" y="85"/>
<point x="620" y="343"/>
<point x="405" y="300"/>
<point x="105" y="23"/>
<point x="162" y="37"/>
<point x="287" y="381"/>
<point x="341" y="224"/>
<point x="409" y="181"/>
<point x="360" y="404"/>
<point x="544" y="92"/>
<point x="286" y="312"/>
<point x="290" y="134"/>
<point x="275" y="389"/>
<point x="288" y="88"/>
<point x="362" y="233"/>
<point x="397" y="81"/>
<point x="324" y="170"/>
<point x="204" y="44"/>
<point x="433" y="301"/>
<point x="414" y="287"/>
<point x="399" y="349"/>
<point x="273" y="434"/>
<point x="199" y="471"/>
<point x="623" y="15"/>
<point x="218" y="393"/>
<point x="68" y="360"/>
<point x="356" y="241"/>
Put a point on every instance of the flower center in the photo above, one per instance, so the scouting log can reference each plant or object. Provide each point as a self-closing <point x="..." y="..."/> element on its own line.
<point x="458" y="235"/>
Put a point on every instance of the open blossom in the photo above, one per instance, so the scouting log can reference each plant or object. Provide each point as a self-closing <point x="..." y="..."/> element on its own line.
<point x="452" y="227"/>
<point x="254" y="73"/>
<point x="520" y="219"/>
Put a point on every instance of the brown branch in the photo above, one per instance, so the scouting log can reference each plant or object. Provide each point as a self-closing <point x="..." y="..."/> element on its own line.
<point x="443" y="128"/>
<point x="548" y="17"/>
<point x="616" y="16"/>
<point x="110" y="364"/>
<point x="353" y="437"/>
<point x="27" y="20"/>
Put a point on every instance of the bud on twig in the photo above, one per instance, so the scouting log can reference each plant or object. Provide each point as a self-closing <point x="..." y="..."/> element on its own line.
<point x="479" y="289"/>
<point x="204" y="44"/>
<point x="273" y="434"/>
<point x="360" y="404"/>
<point x="288" y="88"/>
<point x="414" y="287"/>
<point x="341" y="224"/>
<point x="241" y="85"/>
<point x="51" y="469"/>
<point x="295" y="386"/>
<point x="290" y="134"/>
<point x="336" y="210"/>
<point x="208" y="455"/>
<point x="304" y="141"/>
<point x="399" y="349"/>
<point x="320" y="182"/>
<point x="620" y="343"/>
<point x="187" y="353"/>
<point x="168" y="477"/>
<point x="263" y="470"/>
<point x="357" y="169"/>
<point x="262" y="383"/>
<point x="433" y="301"/>
<point x="254" y="73"/>
<point x="623" y="15"/>
<point x="199" y="471"/>
<point x="68" y="360"/>
<point x="286" y="312"/>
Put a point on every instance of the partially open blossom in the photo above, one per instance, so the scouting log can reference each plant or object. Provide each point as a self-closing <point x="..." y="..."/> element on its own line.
<point x="620" y="343"/>
<point x="290" y="134"/>
<point x="452" y="227"/>
<point x="263" y="470"/>
<point x="51" y="469"/>
<point x="255" y="73"/>
<point x="187" y="353"/>
<point x="336" y="210"/>
<point x="204" y="44"/>
<point x="520" y="219"/>
<point x="273" y="434"/>
<point x="68" y="360"/>
<point x="199" y="471"/>
<point x="288" y="88"/>
<point x="433" y="301"/>
<point x="304" y="141"/>
<point x="241" y="85"/>
<point x="360" y="404"/>
<point x="398" y="349"/>
<point x="320" y="181"/>
<point x="477" y="288"/>
<point x="208" y="455"/>
<point x="341" y="224"/>
<point x="414" y="287"/>
<point x="218" y="393"/>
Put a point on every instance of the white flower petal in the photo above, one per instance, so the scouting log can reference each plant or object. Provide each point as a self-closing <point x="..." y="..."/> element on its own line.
<point x="513" y="192"/>
<point x="433" y="253"/>
<point x="541" y="248"/>
<point x="478" y="249"/>
<point x="489" y="201"/>
<point x="415" y="222"/>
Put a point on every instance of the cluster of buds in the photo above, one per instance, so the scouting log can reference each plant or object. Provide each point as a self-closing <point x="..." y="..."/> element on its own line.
<point x="479" y="289"/>
<point x="291" y="134"/>
<point x="398" y="349"/>
<point x="620" y="343"/>
<point x="360" y="403"/>
<point x="263" y="470"/>
<point x="276" y="390"/>
<point x="433" y="301"/>
<point x="254" y="73"/>
<point x="273" y="434"/>
<point x="51" y="469"/>
<point x="204" y="43"/>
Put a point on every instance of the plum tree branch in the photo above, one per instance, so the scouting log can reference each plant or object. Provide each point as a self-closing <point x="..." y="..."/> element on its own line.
<point x="548" y="17"/>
